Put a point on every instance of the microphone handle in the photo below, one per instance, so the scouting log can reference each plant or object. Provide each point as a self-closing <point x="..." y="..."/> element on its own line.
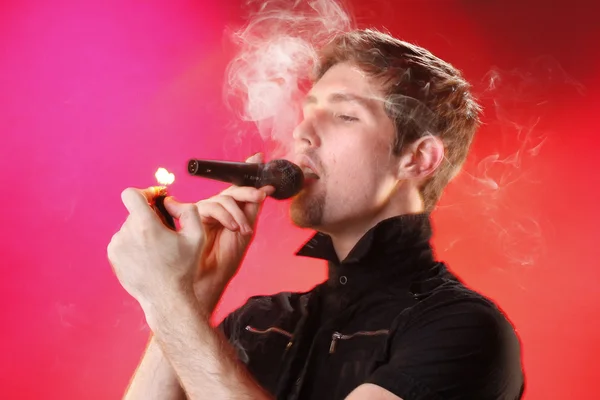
<point x="239" y="174"/>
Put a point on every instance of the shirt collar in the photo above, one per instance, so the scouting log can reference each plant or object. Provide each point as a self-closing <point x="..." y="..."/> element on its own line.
<point x="390" y="252"/>
<point x="389" y="237"/>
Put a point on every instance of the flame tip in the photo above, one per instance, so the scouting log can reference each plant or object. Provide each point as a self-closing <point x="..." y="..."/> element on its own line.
<point x="164" y="177"/>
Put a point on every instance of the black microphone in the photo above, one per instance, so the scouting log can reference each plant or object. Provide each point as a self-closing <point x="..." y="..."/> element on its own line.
<point x="285" y="176"/>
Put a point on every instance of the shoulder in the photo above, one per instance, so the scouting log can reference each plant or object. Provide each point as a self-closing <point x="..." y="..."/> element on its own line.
<point x="446" y="310"/>
<point x="455" y="342"/>
<point x="445" y="296"/>
<point x="473" y="318"/>
<point x="461" y="310"/>
<point x="462" y="323"/>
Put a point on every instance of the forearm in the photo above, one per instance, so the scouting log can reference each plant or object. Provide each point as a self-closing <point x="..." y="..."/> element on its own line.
<point x="154" y="378"/>
<point x="203" y="360"/>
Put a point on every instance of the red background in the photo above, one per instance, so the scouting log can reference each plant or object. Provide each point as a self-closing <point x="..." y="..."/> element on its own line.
<point x="94" y="97"/>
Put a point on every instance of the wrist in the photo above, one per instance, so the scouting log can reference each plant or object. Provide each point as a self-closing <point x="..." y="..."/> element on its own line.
<point x="208" y="293"/>
<point x="176" y="307"/>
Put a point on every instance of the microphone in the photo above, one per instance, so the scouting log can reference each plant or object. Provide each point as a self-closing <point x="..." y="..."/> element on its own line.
<point x="285" y="176"/>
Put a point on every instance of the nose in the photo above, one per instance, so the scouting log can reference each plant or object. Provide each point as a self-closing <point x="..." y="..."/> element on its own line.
<point x="305" y="134"/>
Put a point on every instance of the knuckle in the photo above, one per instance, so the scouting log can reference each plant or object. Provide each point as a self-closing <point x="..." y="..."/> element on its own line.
<point x="111" y="249"/>
<point x="230" y="189"/>
<point x="209" y="208"/>
<point x="258" y="195"/>
<point x="229" y="203"/>
<point x="202" y="205"/>
<point x="236" y="192"/>
<point x="254" y="195"/>
<point x="226" y="198"/>
<point x="127" y="193"/>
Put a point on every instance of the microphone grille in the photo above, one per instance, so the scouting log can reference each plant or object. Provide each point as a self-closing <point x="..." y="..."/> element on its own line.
<point x="285" y="176"/>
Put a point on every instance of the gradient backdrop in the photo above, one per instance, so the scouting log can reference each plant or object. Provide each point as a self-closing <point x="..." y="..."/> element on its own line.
<point x="94" y="96"/>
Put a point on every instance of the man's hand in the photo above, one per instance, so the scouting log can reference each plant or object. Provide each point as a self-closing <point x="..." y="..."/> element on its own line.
<point x="228" y="221"/>
<point x="178" y="277"/>
<point x="154" y="263"/>
<point x="149" y="259"/>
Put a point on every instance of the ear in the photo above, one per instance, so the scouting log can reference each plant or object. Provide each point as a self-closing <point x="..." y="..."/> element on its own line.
<point x="421" y="158"/>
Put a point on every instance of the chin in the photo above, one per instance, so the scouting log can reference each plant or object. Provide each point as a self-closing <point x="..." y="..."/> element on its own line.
<point x="306" y="211"/>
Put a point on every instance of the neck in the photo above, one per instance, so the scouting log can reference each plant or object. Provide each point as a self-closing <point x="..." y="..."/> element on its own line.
<point x="347" y="234"/>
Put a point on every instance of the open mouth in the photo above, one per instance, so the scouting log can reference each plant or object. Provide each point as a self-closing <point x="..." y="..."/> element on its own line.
<point x="309" y="173"/>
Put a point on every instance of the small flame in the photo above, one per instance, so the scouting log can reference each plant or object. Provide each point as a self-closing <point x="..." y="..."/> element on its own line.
<point x="164" y="177"/>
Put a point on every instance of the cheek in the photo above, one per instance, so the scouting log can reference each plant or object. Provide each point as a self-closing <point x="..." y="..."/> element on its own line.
<point x="351" y="181"/>
<point x="358" y="177"/>
<point x="347" y="149"/>
<point x="360" y="159"/>
<point x="356" y="154"/>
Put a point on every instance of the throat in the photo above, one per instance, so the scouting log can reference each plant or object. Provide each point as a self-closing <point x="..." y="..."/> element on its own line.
<point x="346" y="239"/>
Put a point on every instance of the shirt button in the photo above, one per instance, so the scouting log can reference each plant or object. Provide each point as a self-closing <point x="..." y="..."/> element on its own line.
<point x="343" y="280"/>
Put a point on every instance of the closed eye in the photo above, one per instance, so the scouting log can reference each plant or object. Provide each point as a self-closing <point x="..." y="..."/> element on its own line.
<point x="346" y="118"/>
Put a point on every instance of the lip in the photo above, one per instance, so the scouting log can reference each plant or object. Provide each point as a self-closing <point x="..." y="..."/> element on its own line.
<point x="305" y="162"/>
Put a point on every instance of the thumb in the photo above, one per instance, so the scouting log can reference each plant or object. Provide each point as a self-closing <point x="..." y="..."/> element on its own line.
<point x="188" y="217"/>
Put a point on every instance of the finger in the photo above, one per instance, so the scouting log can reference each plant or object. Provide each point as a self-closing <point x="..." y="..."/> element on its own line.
<point x="245" y="194"/>
<point x="136" y="201"/>
<point x="188" y="216"/>
<point x="256" y="158"/>
<point x="213" y="210"/>
<point x="232" y="207"/>
<point x="252" y="210"/>
<point x="267" y="190"/>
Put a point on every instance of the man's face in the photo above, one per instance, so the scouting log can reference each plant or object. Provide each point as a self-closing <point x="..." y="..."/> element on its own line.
<point x="345" y="137"/>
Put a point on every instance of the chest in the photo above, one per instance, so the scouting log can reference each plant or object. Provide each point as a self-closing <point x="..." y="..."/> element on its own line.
<point x="321" y="356"/>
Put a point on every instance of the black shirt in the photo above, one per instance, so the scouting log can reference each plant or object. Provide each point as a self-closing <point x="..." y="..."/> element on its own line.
<point x="389" y="315"/>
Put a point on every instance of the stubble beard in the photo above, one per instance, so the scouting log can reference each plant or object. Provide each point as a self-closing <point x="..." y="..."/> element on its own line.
<point x="306" y="210"/>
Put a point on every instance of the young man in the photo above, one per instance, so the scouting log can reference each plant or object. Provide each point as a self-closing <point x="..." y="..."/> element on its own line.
<point x="386" y="126"/>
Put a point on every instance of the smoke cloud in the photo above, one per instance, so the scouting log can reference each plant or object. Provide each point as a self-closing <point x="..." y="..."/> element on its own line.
<point x="277" y="52"/>
<point x="516" y="108"/>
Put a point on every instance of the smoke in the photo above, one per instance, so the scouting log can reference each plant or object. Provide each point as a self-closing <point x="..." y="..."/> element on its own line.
<point x="277" y="52"/>
<point x="518" y="103"/>
<point x="494" y="185"/>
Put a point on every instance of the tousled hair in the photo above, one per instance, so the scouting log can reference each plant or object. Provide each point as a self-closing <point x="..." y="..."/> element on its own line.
<point x="424" y="96"/>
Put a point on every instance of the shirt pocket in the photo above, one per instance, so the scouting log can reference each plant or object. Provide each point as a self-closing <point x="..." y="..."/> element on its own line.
<point x="265" y="348"/>
<point x="355" y="355"/>
<point x="367" y="341"/>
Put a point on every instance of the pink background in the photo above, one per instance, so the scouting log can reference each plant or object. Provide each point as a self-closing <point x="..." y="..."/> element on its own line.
<point x="94" y="96"/>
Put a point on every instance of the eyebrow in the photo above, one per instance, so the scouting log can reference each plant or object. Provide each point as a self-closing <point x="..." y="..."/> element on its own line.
<point x="341" y="97"/>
